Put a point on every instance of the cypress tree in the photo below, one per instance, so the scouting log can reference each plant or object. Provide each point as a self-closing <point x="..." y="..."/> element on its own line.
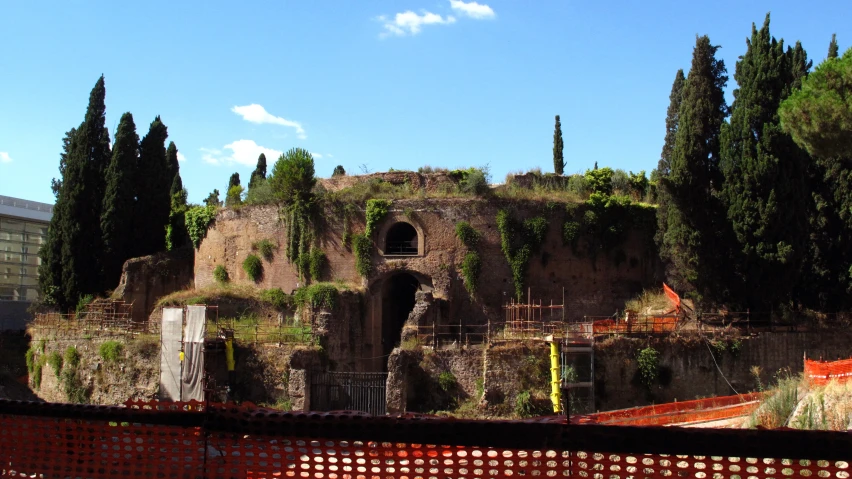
<point x="213" y="199"/>
<point x="172" y="162"/>
<point x="50" y="269"/>
<point x="689" y="244"/>
<point x="664" y="165"/>
<point x="832" y="47"/>
<point x="558" y="159"/>
<point x="234" y="180"/>
<point x="119" y="201"/>
<point x="259" y="171"/>
<point x="82" y="199"/>
<point x="765" y="191"/>
<point x="176" y="234"/>
<point x="154" y="178"/>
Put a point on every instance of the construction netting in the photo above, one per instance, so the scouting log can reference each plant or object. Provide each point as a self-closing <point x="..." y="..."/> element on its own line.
<point x="823" y="372"/>
<point x="682" y="412"/>
<point x="643" y="324"/>
<point x="224" y="441"/>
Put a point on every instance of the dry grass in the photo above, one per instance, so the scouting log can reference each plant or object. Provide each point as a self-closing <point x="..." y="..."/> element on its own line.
<point x="827" y="408"/>
<point x="210" y="294"/>
<point x="649" y="301"/>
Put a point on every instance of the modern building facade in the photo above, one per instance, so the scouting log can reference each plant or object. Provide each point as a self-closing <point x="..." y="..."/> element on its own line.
<point x="23" y="229"/>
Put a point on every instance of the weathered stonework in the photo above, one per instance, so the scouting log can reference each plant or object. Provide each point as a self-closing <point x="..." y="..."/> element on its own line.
<point x="596" y="286"/>
<point x="146" y="279"/>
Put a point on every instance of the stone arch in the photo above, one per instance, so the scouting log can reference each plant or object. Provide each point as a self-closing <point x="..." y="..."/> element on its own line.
<point x="400" y="237"/>
<point x="392" y="300"/>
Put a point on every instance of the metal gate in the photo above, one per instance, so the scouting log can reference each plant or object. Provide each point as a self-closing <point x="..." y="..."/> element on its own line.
<point x="339" y="391"/>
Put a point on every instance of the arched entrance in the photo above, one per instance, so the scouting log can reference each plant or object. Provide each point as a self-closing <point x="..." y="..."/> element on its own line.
<point x="397" y="302"/>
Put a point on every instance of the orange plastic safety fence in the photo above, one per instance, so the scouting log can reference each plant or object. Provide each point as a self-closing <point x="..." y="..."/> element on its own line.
<point x="227" y="441"/>
<point x="698" y="410"/>
<point x="650" y="325"/>
<point x="822" y="372"/>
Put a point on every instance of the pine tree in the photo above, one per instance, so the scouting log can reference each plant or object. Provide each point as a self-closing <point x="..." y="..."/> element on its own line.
<point x="154" y="178"/>
<point x="832" y="47"/>
<point x="119" y="201"/>
<point x="765" y="192"/>
<point x="558" y="159"/>
<point x="689" y="244"/>
<point x="81" y="202"/>
<point x="259" y="171"/>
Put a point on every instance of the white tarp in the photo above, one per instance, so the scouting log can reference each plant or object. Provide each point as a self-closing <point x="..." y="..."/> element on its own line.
<point x="193" y="347"/>
<point x="170" y="354"/>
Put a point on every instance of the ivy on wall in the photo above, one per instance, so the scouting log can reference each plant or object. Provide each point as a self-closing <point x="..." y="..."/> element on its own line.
<point x="519" y="241"/>
<point x="605" y="220"/>
<point x="472" y="263"/>
<point x="362" y="248"/>
<point x="198" y="219"/>
<point x="376" y="211"/>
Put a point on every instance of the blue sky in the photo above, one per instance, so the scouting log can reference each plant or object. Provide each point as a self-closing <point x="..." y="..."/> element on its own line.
<point x="378" y="83"/>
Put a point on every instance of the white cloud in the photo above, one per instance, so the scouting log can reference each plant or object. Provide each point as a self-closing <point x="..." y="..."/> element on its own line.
<point x="255" y="113"/>
<point x="472" y="9"/>
<point x="410" y="23"/>
<point x="181" y="157"/>
<point x="4" y="157"/>
<point x="316" y="155"/>
<point x="244" y="152"/>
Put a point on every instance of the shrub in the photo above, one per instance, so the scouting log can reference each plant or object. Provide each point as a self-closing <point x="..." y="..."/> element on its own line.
<point x="35" y="376"/>
<point x="73" y="387"/>
<point x="648" y="360"/>
<point x="260" y="193"/>
<point x="376" y="211"/>
<point x="265" y="247"/>
<point x="54" y="359"/>
<point x="475" y="183"/>
<point x="72" y="357"/>
<point x="30" y="358"/>
<point x="276" y="297"/>
<point x="578" y="185"/>
<point x="338" y="171"/>
<point x="467" y="234"/>
<point x="198" y="219"/>
<point x="446" y="380"/>
<point x="111" y="351"/>
<point x="523" y="404"/>
<point x="253" y="267"/>
<point x="317" y="265"/>
<point x="319" y="295"/>
<point x="220" y="274"/>
<point x="600" y="180"/>
<point x="84" y="301"/>
<point x="620" y="181"/>
<point x="362" y="247"/>
<point x="234" y="196"/>
<point x="479" y="388"/>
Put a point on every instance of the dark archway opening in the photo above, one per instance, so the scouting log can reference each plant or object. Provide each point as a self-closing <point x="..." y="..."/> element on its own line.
<point x="397" y="302"/>
<point x="401" y="240"/>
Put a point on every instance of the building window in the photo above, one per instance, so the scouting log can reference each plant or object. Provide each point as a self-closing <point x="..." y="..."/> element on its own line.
<point x="401" y="240"/>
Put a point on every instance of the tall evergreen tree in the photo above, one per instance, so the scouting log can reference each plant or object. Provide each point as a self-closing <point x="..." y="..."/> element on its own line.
<point x="558" y="158"/>
<point x="690" y="243"/>
<point x="176" y="234"/>
<point x="50" y="269"/>
<point x="172" y="162"/>
<point x="234" y="180"/>
<point x="664" y="165"/>
<point x="119" y="201"/>
<point x="82" y="199"/>
<point x="213" y="199"/>
<point x="765" y="191"/>
<point x="154" y="178"/>
<point x="56" y="184"/>
<point x="832" y="47"/>
<point x="259" y="172"/>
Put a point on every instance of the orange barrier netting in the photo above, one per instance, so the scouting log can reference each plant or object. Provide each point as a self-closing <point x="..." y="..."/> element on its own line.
<point x="695" y="411"/>
<point x="655" y="325"/>
<point x="225" y="441"/>
<point x="822" y="372"/>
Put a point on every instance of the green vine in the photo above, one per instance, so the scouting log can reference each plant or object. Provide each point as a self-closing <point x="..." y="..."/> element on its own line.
<point x="377" y="209"/>
<point x="362" y="247"/>
<point x="198" y="219"/>
<point x="518" y="242"/>
<point x="317" y="264"/>
<point x="471" y="266"/>
<point x="649" y="363"/>
<point x="220" y="274"/>
<point x="265" y="247"/>
<point x="467" y="234"/>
